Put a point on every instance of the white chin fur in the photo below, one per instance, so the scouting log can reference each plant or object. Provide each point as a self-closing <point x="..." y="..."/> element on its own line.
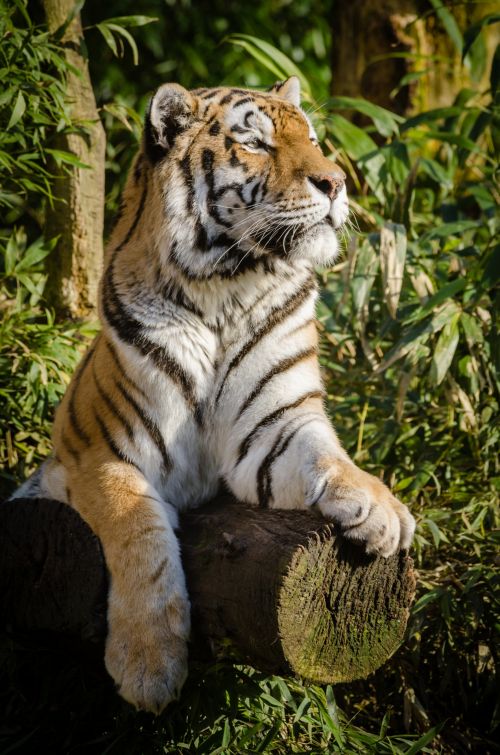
<point x="320" y="246"/>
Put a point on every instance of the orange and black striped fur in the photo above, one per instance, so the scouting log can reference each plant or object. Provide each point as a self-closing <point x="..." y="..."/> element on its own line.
<point x="206" y="367"/>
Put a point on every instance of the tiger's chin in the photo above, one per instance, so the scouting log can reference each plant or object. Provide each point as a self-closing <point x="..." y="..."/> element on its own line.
<point x="318" y="244"/>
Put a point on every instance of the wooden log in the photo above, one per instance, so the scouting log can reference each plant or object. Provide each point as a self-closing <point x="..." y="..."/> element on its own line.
<point x="281" y="587"/>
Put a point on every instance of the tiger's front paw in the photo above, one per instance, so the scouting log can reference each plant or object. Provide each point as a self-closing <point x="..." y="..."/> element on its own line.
<point x="364" y="508"/>
<point x="147" y="657"/>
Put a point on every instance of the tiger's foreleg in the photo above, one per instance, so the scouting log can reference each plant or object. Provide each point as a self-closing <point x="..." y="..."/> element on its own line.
<point x="148" y="606"/>
<point x="291" y="458"/>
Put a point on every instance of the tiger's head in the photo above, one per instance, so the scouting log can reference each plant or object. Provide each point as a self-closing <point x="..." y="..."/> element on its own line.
<point x="242" y="178"/>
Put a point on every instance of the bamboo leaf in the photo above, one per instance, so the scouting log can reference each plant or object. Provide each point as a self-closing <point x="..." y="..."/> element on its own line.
<point x="473" y="31"/>
<point x="35" y="253"/>
<point x="60" y="156"/>
<point x="276" y="61"/>
<point x="392" y="262"/>
<point x="445" y="350"/>
<point x="418" y="333"/>
<point x="108" y="37"/>
<point x="18" y="111"/>
<point x="424" y="740"/>
<point x="361" y="148"/>
<point x="131" y="20"/>
<point x="385" y="121"/>
<point x="367" y="263"/>
<point x="444" y="293"/>
<point x="449" y="23"/>
<point x="126" y="35"/>
<point x="450" y="229"/>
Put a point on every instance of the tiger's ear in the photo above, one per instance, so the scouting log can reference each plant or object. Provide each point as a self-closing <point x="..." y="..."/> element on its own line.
<point x="171" y="110"/>
<point x="288" y="90"/>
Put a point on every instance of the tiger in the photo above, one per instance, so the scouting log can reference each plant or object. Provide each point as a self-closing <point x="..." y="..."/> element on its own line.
<point x="205" y="371"/>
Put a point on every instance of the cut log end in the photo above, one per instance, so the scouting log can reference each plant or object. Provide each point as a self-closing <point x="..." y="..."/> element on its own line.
<point x="287" y="592"/>
<point x="341" y="614"/>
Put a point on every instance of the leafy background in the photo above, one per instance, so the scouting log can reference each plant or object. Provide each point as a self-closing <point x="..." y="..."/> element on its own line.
<point x="409" y="323"/>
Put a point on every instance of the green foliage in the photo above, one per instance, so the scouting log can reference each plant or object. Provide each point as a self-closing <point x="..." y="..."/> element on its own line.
<point x="32" y="110"/>
<point x="37" y="357"/>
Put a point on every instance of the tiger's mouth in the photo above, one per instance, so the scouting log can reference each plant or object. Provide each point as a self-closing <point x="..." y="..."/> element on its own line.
<point x="283" y="240"/>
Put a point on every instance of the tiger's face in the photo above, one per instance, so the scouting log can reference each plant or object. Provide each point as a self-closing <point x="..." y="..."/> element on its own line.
<point x="242" y="178"/>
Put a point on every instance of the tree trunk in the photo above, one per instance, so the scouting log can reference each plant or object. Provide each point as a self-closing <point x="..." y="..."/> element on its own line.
<point x="370" y="37"/>
<point x="77" y="214"/>
<point x="280" y="587"/>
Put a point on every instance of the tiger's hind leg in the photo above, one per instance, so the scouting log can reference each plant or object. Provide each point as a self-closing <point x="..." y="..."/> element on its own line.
<point x="48" y="481"/>
<point x="148" y="606"/>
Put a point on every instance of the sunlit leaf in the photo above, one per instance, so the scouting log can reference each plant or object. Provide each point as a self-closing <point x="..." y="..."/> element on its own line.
<point x="445" y="350"/>
<point x="275" y="60"/>
<point x="18" y="111"/>
<point x="392" y="263"/>
<point x="417" y="333"/>
<point x="446" y="292"/>
<point x="385" y="121"/>
<point x="473" y="31"/>
<point x="131" y="21"/>
<point x="367" y="264"/>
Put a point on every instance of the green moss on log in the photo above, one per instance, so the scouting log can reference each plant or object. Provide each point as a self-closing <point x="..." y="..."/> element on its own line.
<point x="342" y="614"/>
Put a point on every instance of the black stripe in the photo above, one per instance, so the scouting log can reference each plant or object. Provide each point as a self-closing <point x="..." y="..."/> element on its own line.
<point x="269" y="419"/>
<point x="209" y="94"/>
<point x="277" y="369"/>
<point x="138" y="167"/>
<point x="230" y="266"/>
<point x="112" y="406"/>
<point x="110" y="442"/>
<point x="235" y="162"/>
<point x="151" y="426"/>
<point x="228" y="97"/>
<point x="158" y="571"/>
<point x="136" y="537"/>
<point x="311" y="321"/>
<point x="138" y="214"/>
<point x="74" y="421"/>
<point x="264" y="473"/>
<point x="178" y="296"/>
<point x="185" y="167"/>
<point x="276" y="316"/>
<point x="119" y="365"/>
<point x="207" y="162"/>
<point x="253" y="195"/>
<point x="68" y="446"/>
<point x="214" y="129"/>
<point x="243" y="101"/>
<point x="131" y="331"/>
<point x="239" y="129"/>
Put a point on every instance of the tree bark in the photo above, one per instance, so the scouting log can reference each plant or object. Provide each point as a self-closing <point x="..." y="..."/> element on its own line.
<point x="281" y="588"/>
<point x="368" y="38"/>
<point x="77" y="213"/>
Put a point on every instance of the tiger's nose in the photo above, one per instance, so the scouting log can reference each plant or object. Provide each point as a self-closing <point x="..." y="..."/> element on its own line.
<point x="328" y="183"/>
